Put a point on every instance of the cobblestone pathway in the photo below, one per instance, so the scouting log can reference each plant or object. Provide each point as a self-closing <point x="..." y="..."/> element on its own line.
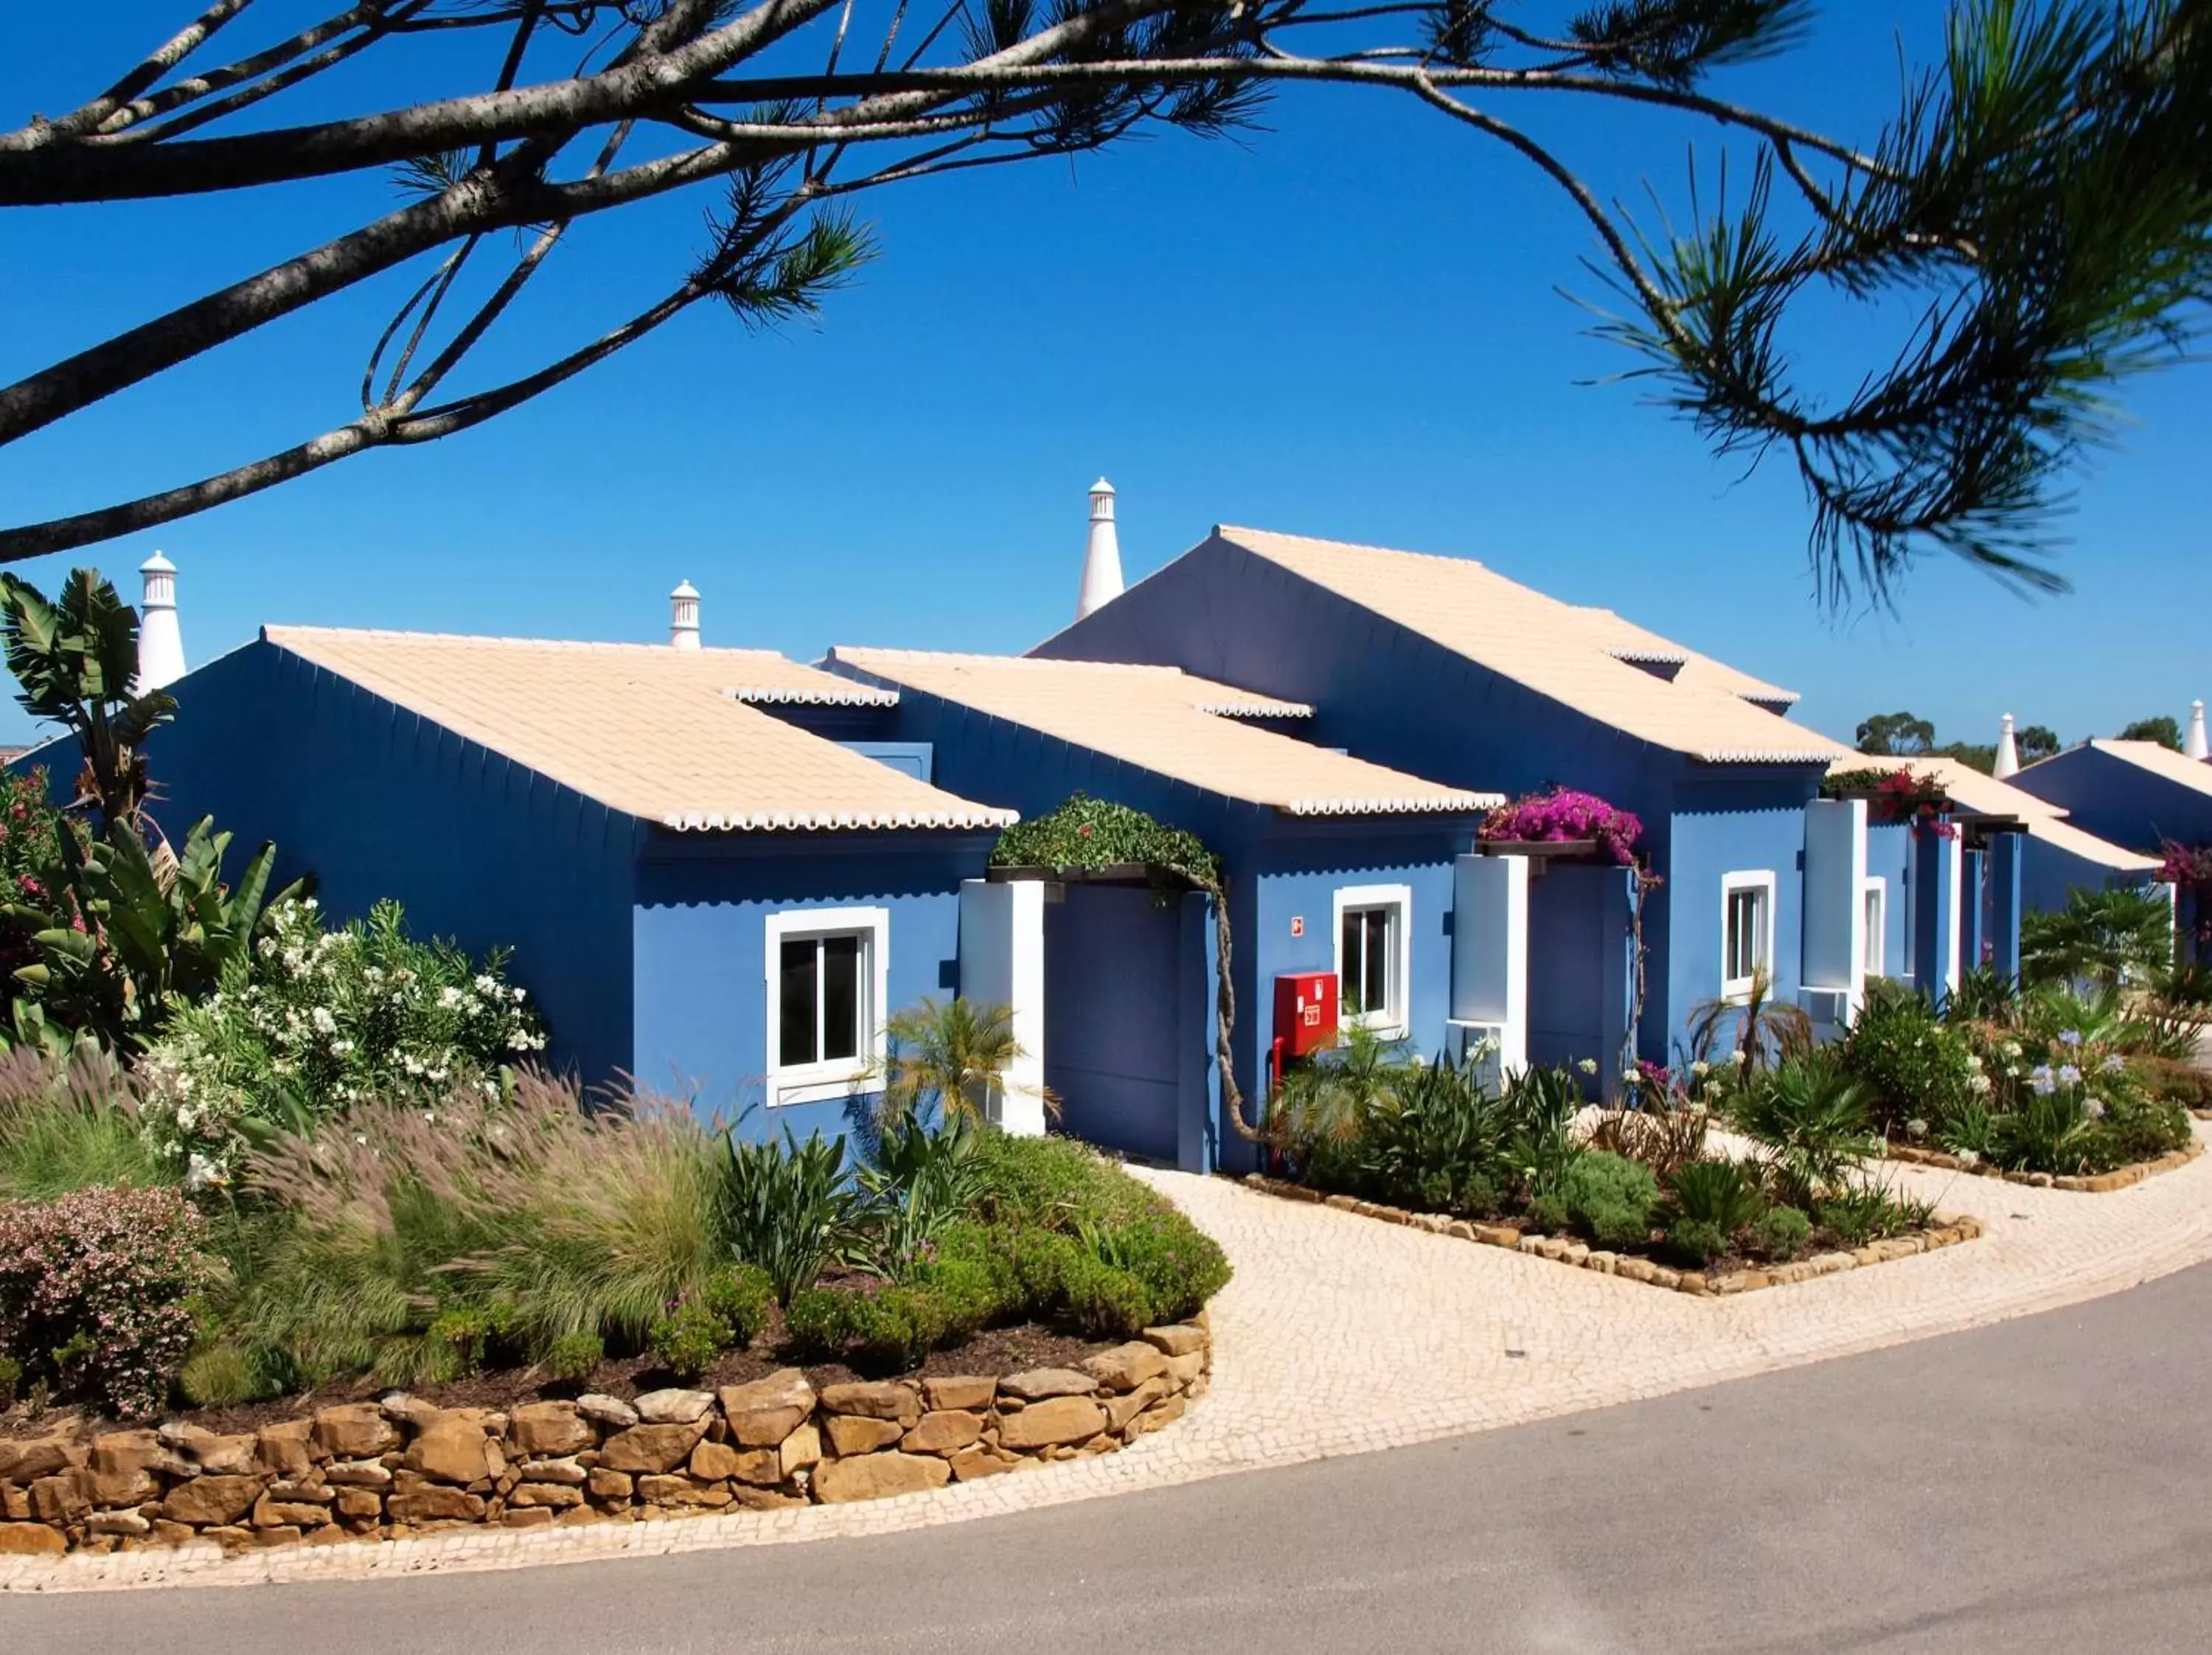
<point x="1342" y="1335"/>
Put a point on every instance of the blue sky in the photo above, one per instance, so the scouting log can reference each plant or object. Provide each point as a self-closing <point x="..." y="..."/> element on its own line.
<point x="1349" y="326"/>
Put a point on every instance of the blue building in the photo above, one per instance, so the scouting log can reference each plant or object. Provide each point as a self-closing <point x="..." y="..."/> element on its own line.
<point x="699" y="891"/>
<point x="1442" y="668"/>
<point x="2135" y="793"/>
<point x="1331" y="864"/>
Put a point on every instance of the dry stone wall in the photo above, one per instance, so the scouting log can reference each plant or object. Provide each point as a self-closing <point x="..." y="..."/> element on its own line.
<point x="385" y="1470"/>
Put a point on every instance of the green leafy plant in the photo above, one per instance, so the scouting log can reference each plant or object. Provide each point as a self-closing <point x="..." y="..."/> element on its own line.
<point x="1543" y="1104"/>
<point x="1718" y="1192"/>
<point x="788" y="1209"/>
<point x="526" y="1217"/>
<point x="687" y="1341"/>
<point x="571" y="1358"/>
<point x="1756" y="1023"/>
<point x="1914" y="1066"/>
<point x="1809" y="1117"/>
<point x="951" y="1055"/>
<point x="2118" y="936"/>
<point x="1861" y="1213"/>
<point x="11" y="1381"/>
<point x="97" y="1294"/>
<point x="1609" y="1198"/>
<point x="68" y="1123"/>
<point x="918" y="1180"/>
<point x="1086" y="832"/>
<point x="312" y="1021"/>
<point x="1781" y="1232"/>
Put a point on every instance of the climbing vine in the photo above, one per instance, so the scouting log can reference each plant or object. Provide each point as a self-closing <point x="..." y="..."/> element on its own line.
<point x="1087" y="832"/>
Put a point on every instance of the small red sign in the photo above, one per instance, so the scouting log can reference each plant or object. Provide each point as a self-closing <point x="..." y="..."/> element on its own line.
<point x="1297" y="925"/>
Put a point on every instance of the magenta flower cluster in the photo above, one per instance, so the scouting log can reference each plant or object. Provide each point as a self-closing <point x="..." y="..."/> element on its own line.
<point x="95" y="1293"/>
<point x="1565" y="814"/>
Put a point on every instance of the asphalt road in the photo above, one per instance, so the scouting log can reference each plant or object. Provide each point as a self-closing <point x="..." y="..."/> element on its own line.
<point x="2038" y="1485"/>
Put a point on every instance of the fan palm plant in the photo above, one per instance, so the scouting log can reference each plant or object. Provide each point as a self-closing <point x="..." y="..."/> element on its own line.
<point x="954" y="1053"/>
<point x="1764" y="1026"/>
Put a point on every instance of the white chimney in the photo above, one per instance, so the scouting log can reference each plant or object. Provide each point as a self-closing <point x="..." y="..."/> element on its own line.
<point x="684" y="616"/>
<point x="2007" y="763"/>
<point x="2194" y="746"/>
<point x="160" y="645"/>
<point x="1102" y="562"/>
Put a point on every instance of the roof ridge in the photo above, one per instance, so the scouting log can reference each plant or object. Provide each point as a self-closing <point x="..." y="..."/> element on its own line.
<point x="278" y="632"/>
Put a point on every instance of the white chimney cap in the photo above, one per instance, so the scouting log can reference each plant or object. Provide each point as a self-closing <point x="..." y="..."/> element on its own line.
<point x="2008" y="756"/>
<point x="1102" y="486"/>
<point x="1102" y="558"/>
<point x="157" y="565"/>
<point x="683" y="616"/>
<point x="2195" y="746"/>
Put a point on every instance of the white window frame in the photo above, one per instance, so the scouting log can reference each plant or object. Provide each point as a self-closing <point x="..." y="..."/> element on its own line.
<point x="838" y="1077"/>
<point x="1877" y="939"/>
<point x="1761" y="881"/>
<point x="1394" y="1021"/>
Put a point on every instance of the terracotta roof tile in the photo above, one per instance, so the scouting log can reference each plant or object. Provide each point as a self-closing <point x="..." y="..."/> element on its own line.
<point x="1581" y="658"/>
<point x="659" y="734"/>
<point x="1162" y="720"/>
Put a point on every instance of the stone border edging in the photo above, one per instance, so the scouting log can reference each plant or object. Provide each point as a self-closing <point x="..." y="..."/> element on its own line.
<point x="1565" y="1250"/>
<point x="400" y="1467"/>
<point x="2120" y="1178"/>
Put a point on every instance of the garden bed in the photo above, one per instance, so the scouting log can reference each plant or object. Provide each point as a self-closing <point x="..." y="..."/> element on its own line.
<point x="400" y="1464"/>
<point x="1722" y="1277"/>
<point x="2118" y="1178"/>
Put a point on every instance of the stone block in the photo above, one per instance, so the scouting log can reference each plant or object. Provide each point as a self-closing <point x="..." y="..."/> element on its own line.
<point x="673" y="1406"/>
<point x="1181" y="1370"/>
<point x="609" y="1486"/>
<point x="357" y="1474"/>
<point x="974" y="1394"/>
<point x="1042" y="1383"/>
<point x="969" y="1464"/>
<point x="452" y="1449"/>
<point x="360" y="1503"/>
<point x="609" y="1411"/>
<point x="653" y="1449"/>
<point x="852" y="1433"/>
<point x="942" y="1430"/>
<point x="762" y="1412"/>
<point x="886" y="1399"/>
<point x="680" y="1493"/>
<point x="30" y="1540"/>
<point x="211" y="1501"/>
<point x="285" y="1513"/>
<point x="802" y="1449"/>
<point x="1058" y="1420"/>
<point x="288" y="1449"/>
<point x="59" y="1498"/>
<point x="120" y="1471"/>
<point x="433" y="1502"/>
<point x="1120" y="1410"/>
<point x="550" y="1428"/>
<point x="552" y="1496"/>
<point x="26" y="1459"/>
<point x="351" y="1431"/>
<point x="569" y="1470"/>
<point x="877" y="1476"/>
<point x="527" y="1517"/>
<point x="1126" y="1367"/>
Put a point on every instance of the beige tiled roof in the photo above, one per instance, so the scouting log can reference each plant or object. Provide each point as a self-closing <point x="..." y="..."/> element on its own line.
<point x="2160" y="761"/>
<point x="1162" y="720"/>
<point x="1985" y="795"/>
<point x="1555" y="648"/>
<point x="659" y="734"/>
<point x="1624" y="640"/>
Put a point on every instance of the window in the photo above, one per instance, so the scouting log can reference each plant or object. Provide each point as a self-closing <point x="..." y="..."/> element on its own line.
<point x="1875" y="910"/>
<point x="1747" y="930"/>
<point x="1374" y="954"/>
<point x="826" y="971"/>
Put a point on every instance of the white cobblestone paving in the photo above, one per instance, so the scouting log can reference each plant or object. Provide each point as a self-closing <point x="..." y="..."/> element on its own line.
<point x="1343" y="1335"/>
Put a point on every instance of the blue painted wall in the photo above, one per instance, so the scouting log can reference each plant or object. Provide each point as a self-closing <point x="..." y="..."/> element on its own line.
<point x="1376" y="687"/>
<point x="1889" y="857"/>
<point x="699" y="931"/>
<point x="1277" y="867"/>
<point x="2120" y="801"/>
<point x="375" y="801"/>
<point x="1578" y="965"/>
<point x="1112" y="1016"/>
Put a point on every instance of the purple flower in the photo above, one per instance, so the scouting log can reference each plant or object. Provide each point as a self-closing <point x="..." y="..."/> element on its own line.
<point x="2071" y="1038"/>
<point x="2069" y="1076"/>
<point x="2041" y="1082"/>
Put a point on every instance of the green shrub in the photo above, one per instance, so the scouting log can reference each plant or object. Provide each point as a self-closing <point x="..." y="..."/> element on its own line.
<point x="2116" y="936"/>
<point x="1870" y="1212"/>
<point x="687" y="1339"/>
<point x="1781" y="1232"/>
<point x="1717" y="1193"/>
<point x="96" y="1291"/>
<point x="311" y="1023"/>
<point x="786" y="1208"/>
<point x="893" y="1324"/>
<point x="2168" y="1080"/>
<point x="571" y="1358"/>
<point x="1912" y="1066"/>
<point x="1694" y="1242"/>
<point x="68" y="1124"/>
<point x="222" y="1375"/>
<point x="11" y="1381"/>
<point x="1809" y="1116"/>
<point x="741" y="1295"/>
<point x="556" y="1221"/>
<point x="919" y="1179"/>
<point x="1609" y="1198"/>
